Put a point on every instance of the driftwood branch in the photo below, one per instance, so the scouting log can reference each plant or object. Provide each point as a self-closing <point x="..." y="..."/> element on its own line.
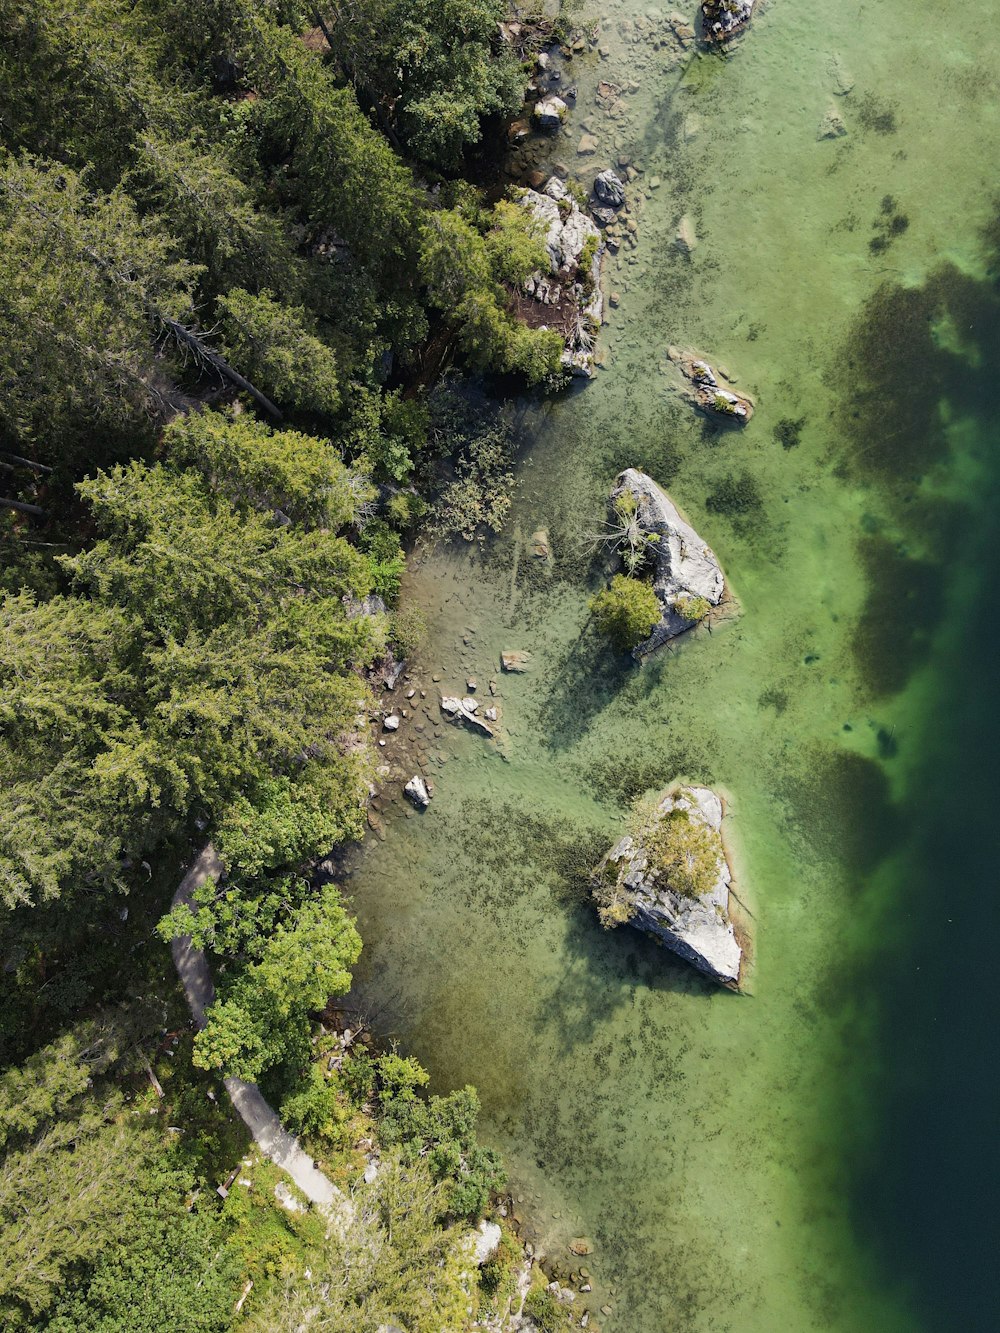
<point x="24" y="462"/>
<point x="205" y="355"/>
<point x="22" y="508"/>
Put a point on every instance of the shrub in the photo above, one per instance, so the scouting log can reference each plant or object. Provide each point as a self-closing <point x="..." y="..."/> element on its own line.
<point x="692" y="608"/>
<point x="385" y="556"/>
<point x="626" y="611"/>
<point x="406" y="631"/>
<point x="685" y="851"/>
<point x="545" y="1310"/>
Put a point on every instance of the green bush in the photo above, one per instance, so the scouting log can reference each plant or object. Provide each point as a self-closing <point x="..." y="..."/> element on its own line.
<point x="385" y="557"/>
<point x="626" y="611"/>
<point x="692" y="608"/>
<point x="407" y="628"/>
<point x="545" y="1310"/>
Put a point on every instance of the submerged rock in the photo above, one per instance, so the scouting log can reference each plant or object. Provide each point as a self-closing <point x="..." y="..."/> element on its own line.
<point x="464" y="710"/>
<point x="723" y="19"/>
<point x="417" y="791"/>
<point x="686" y="238"/>
<point x="832" y="125"/>
<point x="515" y="659"/>
<point x="631" y="885"/>
<point x="688" y="580"/>
<point x="710" y="391"/>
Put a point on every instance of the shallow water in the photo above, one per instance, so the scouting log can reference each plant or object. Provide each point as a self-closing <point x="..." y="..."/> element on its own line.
<point x="818" y="1154"/>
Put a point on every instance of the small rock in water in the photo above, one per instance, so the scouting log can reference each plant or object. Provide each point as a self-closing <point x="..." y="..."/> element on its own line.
<point x="491" y="715"/>
<point x="581" y="1245"/>
<point x="470" y="685"/>
<point x="687" y="238"/>
<point x="538" y="544"/>
<point x="410" y="694"/>
<point x="391" y="723"/>
<point x="549" y="113"/>
<point x="469" y="704"/>
<point x="515" y="659"/>
<point x="609" y="189"/>
<point x="587" y="145"/>
<point x="832" y="125"/>
<point x="417" y="791"/>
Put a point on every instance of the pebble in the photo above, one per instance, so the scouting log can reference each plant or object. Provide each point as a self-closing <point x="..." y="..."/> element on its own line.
<point x="391" y="723"/>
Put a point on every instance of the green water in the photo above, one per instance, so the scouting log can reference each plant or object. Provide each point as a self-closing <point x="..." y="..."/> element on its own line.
<point x="815" y="1155"/>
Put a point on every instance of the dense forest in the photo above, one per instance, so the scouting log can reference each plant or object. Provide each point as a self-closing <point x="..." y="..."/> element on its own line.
<point x="241" y="245"/>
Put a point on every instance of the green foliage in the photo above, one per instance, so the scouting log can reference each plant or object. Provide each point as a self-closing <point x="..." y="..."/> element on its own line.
<point x="384" y="432"/>
<point x="263" y="1016"/>
<point x="385" y="558"/>
<point x="541" y="1305"/>
<point x="50" y="1080"/>
<point x="626" y="535"/>
<point x="395" y="1266"/>
<point x="79" y="271"/>
<point x="259" y="469"/>
<point x="211" y="653"/>
<point x="692" y="608"/>
<point x="407" y="628"/>
<point x="626" y="611"/>
<point x="496" y="1276"/>
<point x="275" y="347"/>
<point x="465" y="272"/>
<point x="87" y="1212"/>
<point x="319" y="1109"/>
<point x="685" y="851"/>
<point x="431" y="67"/>
<point x="439" y="1130"/>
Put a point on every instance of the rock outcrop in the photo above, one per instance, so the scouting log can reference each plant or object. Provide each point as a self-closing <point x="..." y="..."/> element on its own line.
<point x="629" y="886"/>
<point x="709" y="389"/>
<point x="723" y="19"/>
<point x="688" y="580"/>
<point x="568" y="297"/>
<point x="465" y="710"/>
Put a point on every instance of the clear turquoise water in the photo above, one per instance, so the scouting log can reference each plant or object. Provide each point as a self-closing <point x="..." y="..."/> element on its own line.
<point x="820" y="1154"/>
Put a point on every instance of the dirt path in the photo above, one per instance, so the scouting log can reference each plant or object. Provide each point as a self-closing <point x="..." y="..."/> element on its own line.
<point x="269" y="1134"/>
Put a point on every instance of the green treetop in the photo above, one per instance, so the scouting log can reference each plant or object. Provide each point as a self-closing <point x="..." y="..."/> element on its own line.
<point x="626" y="611"/>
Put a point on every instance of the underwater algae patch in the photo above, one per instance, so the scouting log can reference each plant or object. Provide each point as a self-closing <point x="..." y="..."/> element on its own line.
<point x="895" y="370"/>
<point x="901" y="610"/>
<point x="837" y="803"/>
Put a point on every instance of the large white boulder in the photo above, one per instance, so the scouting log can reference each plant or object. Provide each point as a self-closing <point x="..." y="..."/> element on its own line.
<point x="687" y="569"/>
<point x="698" y="929"/>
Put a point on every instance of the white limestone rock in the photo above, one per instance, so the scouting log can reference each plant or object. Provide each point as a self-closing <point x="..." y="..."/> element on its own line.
<point x="416" y="790"/>
<point x="700" y="930"/>
<point x="549" y="113"/>
<point x="686" y="567"/>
